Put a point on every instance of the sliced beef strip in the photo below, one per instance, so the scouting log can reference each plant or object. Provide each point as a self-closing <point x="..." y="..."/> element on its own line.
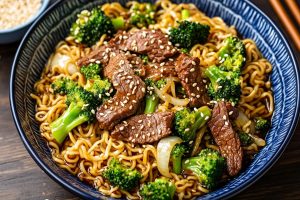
<point x="153" y="43"/>
<point x="233" y="112"/>
<point x="100" y="55"/>
<point x="189" y="73"/>
<point x="146" y="128"/>
<point x="156" y="71"/>
<point x="130" y="93"/>
<point x="226" y="138"/>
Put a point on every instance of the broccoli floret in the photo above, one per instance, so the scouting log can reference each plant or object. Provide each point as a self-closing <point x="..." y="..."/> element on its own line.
<point x="91" y="71"/>
<point x="119" y="175"/>
<point x="90" y="26"/>
<point x="178" y="151"/>
<point x="262" y="125"/>
<point x="224" y="85"/>
<point x="81" y="108"/>
<point x="142" y="14"/>
<point x="188" y="122"/>
<point x="232" y="55"/>
<point x="208" y="166"/>
<point x="160" y="189"/>
<point x="189" y="33"/>
<point x="152" y="99"/>
<point x="245" y="139"/>
<point x="100" y="88"/>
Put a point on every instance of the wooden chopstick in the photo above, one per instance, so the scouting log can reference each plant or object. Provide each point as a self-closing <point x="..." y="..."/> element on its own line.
<point x="286" y="21"/>
<point x="294" y="9"/>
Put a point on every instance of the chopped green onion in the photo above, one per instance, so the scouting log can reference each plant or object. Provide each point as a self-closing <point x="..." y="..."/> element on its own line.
<point x="118" y="23"/>
<point x="185" y="14"/>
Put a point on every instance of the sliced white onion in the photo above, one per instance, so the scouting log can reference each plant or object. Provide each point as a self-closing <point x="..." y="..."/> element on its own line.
<point x="242" y="120"/>
<point x="173" y="100"/>
<point x="164" y="149"/>
<point x="63" y="61"/>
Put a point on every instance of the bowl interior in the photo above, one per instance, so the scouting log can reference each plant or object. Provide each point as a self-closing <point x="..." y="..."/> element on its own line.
<point x="54" y="25"/>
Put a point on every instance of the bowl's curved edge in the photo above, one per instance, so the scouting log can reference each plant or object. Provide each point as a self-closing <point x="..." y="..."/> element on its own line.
<point x="295" y="122"/>
<point x="26" y="143"/>
<point x="81" y="193"/>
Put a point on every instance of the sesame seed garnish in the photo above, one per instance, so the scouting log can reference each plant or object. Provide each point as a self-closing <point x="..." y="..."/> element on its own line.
<point x="152" y="41"/>
<point x="191" y="142"/>
<point x="130" y="107"/>
<point x="169" y="43"/>
<point x="186" y="80"/>
<point x="220" y="86"/>
<point x="121" y="128"/>
<point x="140" y="121"/>
<point x="198" y="89"/>
<point x="226" y="123"/>
<point x="92" y="60"/>
<point x="192" y="70"/>
<point x="143" y="90"/>
<point x="133" y="127"/>
<point x="144" y="136"/>
<point x="206" y="118"/>
<point x="161" y="47"/>
<point x="198" y="96"/>
<point x="134" y="101"/>
<point x="142" y="126"/>
<point x="193" y="95"/>
<point x="136" y="135"/>
<point x="162" y="64"/>
<point x="230" y="112"/>
<point x="194" y="84"/>
<point x="186" y="130"/>
<point x="98" y="62"/>
<point x="177" y="45"/>
<point x="224" y="117"/>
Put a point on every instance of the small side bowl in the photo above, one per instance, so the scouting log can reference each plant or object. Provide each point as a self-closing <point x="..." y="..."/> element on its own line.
<point x="16" y="33"/>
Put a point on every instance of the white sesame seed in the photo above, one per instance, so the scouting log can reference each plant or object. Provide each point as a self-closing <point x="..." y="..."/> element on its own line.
<point x="186" y="130"/>
<point x="193" y="63"/>
<point x="192" y="70"/>
<point x="224" y="117"/>
<point x="226" y="123"/>
<point x="230" y="112"/>
<point x="194" y="84"/>
<point x="206" y="118"/>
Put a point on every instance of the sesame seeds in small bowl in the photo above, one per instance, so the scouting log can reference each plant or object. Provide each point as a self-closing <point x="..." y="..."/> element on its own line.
<point x="16" y="17"/>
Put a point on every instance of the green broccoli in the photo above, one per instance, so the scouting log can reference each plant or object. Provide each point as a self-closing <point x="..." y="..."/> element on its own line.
<point x="262" y="125"/>
<point x="232" y="55"/>
<point x="188" y="122"/>
<point x="142" y="14"/>
<point x="119" y="175"/>
<point x="100" y="88"/>
<point x="81" y="108"/>
<point x="224" y="85"/>
<point x="152" y="99"/>
<point x="188" y="34"/>
<point x="208" y="166"/>
<point x="160" y="189"/>
<point x="178" y="151"/>
<point x="245" y="139"/>
<point x="90" y="26"/>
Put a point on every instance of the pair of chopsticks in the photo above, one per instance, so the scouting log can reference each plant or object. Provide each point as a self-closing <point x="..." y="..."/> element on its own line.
<point x="286" y="20"/>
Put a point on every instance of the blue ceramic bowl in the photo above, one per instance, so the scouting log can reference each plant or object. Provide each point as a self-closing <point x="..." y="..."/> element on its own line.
<point x="16" y="33"/>
<point x="250" y="22"/>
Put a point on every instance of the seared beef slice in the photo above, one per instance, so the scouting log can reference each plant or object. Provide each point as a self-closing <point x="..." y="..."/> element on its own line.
<point x="188" y="71"/>
<point x="226" y="138"/>
<point x="130" y="92"/>
<point x="153" y="43"/>
<point x="146" y="128"/>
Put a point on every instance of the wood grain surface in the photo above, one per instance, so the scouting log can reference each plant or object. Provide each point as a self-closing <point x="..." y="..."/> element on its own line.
<point x="21" y="178"/>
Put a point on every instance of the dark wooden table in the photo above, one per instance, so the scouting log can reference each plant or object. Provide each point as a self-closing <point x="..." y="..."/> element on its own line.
<point x="21" y="178"/>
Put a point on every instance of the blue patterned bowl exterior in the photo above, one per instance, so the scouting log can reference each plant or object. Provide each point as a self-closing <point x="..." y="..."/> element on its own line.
<point x="250" y="22"/>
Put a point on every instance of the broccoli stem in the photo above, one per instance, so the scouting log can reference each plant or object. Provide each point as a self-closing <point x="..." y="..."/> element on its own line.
<point x="185" y="14"/>
<point x="71" y="118"/>
<point x="118" y="23"/>
<point x="213" y="73"/>
<point x="177" y="164"/>
<point x="201" y="118"/>
<point x="151" y="103"/>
